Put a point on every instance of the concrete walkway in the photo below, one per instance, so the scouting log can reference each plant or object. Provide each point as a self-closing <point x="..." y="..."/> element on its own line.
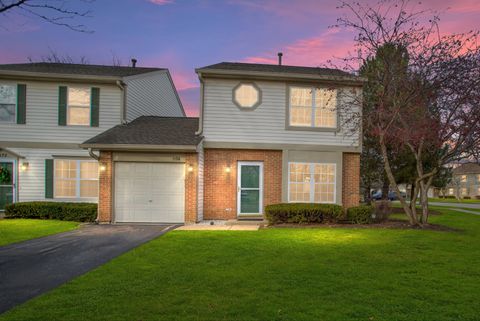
<point x="33" y="267"/>
<point x="456" y="205"/>
<point x="204" y="227"/>
<point x="464" y="211"/>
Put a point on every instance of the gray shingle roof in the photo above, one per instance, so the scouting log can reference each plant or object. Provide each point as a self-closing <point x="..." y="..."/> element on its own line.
<point x="238" y="66"/>
<point x="77" y="69"/>
<point x="468" y="168"/>
<point x="151" y="130"/>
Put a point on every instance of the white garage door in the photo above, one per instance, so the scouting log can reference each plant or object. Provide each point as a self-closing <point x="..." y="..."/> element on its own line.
<point x="149" y="192"/>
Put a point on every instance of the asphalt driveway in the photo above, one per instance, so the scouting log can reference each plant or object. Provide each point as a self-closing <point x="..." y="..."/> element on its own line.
<point x="33" y="267"/>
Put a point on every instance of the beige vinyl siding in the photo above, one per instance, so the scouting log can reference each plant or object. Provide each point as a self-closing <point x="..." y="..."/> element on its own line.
<point x="31" y="183"/>
<point x="42" y="115"/>
<point x="200" y="183"/>
<point x="225" y="122"/>
<point x="151" y="94"/>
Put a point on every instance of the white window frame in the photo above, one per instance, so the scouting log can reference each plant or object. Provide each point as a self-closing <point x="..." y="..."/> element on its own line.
<point x="15" y="87"/>
<point x="77" y="179"/>
<point x="89" y="107"/>
<point x="314" y="107"/>
<point x="312" y="182"/>
<point x="463" y="178"/>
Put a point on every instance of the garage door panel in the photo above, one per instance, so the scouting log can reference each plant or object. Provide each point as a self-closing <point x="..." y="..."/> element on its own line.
<point x="149" y="192"/>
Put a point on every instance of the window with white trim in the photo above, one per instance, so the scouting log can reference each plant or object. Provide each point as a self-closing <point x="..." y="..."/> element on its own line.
<point x="76" y="178"/>
<point x="78" y="107"/>
<point x="450" y="191"/>
<point x="311" y="183"/>
<point x="8" y="103"/>
<point x="313" y="107"/>
<point x="463" y="178"/>
<point x="463" y="191"/>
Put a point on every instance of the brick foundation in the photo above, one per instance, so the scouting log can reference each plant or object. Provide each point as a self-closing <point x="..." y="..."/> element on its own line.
<point x="351" y="180"/>
<point x="220" y="186"/>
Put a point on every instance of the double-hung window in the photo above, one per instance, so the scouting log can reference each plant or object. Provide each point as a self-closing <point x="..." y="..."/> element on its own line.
<point x="78" y="108"/>
<point x="311" y="183"/>
<point x="76" y="178"/>
<point x="313" y="107"/>
<point x="8" y="103"/>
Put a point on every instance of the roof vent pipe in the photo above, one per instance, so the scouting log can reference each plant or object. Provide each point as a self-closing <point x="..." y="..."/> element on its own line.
<point x="134" y="62"/>
<point x="280" y="58"/>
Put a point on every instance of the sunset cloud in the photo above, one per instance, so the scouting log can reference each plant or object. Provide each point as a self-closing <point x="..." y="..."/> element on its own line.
<point x="313" y="51"/>
<point x="161" y="2"/>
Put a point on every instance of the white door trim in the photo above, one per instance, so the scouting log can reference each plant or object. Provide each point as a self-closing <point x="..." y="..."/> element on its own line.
<point x="14" y="176"/>
<point x="239" y="189"/>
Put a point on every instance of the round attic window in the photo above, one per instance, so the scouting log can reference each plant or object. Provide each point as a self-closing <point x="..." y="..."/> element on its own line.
<point x="247" y="96"/>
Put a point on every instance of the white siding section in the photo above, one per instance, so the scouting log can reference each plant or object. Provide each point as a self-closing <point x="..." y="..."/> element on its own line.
<point x="31" y="183"/>
<point x="200" y="183"/>
<point x="151" y="94"/>
<point x="42" y="115"/>
<point x="224" y="122"/>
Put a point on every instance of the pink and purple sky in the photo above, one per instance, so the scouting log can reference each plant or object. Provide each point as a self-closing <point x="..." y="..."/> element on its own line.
<point x="183" y="35"/>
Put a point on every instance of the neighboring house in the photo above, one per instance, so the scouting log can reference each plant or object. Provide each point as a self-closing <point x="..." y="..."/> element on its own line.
<point x="465" y="181"/>
<point x="48" y="109"/>
<point x="266" y="134"/>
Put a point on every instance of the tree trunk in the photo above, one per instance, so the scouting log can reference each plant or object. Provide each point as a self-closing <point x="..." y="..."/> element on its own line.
<point x="412" y="215"/>
<point x="385" y="187"/>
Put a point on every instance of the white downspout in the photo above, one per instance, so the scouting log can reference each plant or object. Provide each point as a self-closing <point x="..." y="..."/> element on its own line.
<point x="123" y="112"/>
<point x="202" y="95"/>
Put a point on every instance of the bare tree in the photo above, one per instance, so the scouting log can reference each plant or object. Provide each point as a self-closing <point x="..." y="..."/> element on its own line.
<point x="425" y="89"/>
<point x="54" y="56"/>
<point x="57" y="12"/>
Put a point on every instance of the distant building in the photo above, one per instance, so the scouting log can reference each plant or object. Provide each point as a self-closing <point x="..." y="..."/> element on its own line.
<point x="465" y="181"/>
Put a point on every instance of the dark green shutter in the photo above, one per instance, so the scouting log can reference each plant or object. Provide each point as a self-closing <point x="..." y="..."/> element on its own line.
<point x="21" y="104"/>
<point x="62" y="106"/>
<point x="49" y="178"/>
<point x="94" y="107"/>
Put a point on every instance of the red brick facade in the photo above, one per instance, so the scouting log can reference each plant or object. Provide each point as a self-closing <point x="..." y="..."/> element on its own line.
<point x="105" y="196"/>
<point x="220" y="186"/>
<point x="191" y="183"/>
<point x="351" y="180"/>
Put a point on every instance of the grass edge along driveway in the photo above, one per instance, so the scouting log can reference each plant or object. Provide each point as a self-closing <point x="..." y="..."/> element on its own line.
<point x="281" y="274"/>
<point x="18" y="230"/>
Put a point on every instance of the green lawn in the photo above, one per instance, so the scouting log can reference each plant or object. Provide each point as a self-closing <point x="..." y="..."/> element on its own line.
<point x="453" y="200"/>
<point x="17" y="230"/>
<point x="281" y="274"/>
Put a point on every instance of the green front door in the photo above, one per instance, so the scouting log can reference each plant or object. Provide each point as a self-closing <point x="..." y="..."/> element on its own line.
<point x="7" y="183"/>
<point x="250" y="188"/>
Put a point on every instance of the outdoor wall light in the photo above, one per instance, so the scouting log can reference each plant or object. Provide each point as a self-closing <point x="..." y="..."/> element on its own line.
<point x="190" y="168"/>
<point x="24" y="167"/>
<point x="228" y="169"/>
<point x="102" y="167"/>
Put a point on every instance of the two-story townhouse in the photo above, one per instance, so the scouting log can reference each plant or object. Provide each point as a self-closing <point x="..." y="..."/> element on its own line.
<point x="266" y="134"/>
<point x="48" y="109"/>
<point x="465" y="181"/>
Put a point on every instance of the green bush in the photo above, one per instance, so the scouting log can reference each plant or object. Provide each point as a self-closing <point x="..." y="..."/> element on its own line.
<point x="467" y="197"/>
<point x="477" y="197"/>
<point x="450" y="196"/>
<point x="79" y="212"/>
<point x="303" y="213"/>
<point x="360" y="214"/>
